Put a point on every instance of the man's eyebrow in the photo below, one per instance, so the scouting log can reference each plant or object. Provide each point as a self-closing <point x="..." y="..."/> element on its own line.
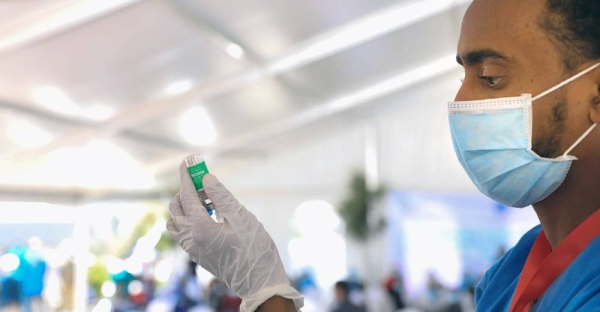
<point x="478" y="56"/>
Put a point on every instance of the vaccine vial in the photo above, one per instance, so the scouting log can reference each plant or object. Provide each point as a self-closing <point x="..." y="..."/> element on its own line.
<point x="197" y="169"/>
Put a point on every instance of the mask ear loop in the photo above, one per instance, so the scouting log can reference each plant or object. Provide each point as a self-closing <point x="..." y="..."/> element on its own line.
<point x="562" y="84"/>
<point x="580" y="139"/>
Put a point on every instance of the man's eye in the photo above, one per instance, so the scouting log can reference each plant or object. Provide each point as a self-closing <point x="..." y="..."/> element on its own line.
<point x="491" y="81"/>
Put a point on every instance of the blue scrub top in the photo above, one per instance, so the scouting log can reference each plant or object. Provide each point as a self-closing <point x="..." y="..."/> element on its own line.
<point x="576" y="289"/>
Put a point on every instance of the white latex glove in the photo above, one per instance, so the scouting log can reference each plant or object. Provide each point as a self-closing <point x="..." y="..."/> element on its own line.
<point x="238" y="251"/>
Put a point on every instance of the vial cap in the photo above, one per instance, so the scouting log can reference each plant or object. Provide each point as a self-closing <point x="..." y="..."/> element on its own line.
<point x="193" y="160"/>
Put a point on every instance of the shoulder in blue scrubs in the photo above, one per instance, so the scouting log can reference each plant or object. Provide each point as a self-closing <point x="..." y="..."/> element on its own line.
<point x="576" y="289"/>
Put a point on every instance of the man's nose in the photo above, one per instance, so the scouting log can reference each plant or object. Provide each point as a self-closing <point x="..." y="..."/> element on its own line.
<point x="467" y="93"/>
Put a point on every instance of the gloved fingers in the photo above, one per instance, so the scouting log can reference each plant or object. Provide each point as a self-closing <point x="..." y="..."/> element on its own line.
<point x="190" y="202"/>
<point x="184" y="238"/>
<point x="244" y="221"/>
<point x="178" y="215"/>
<point x="176" y="211"/>
<point x="225" y="203"/>
<point x="175" y="207"/>
<point x="180" y="235"/>
<point x="172" y="227"/>
<point x="199" y="222"/>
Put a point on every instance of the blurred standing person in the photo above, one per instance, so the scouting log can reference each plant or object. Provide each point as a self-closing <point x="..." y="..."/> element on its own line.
<point x="394" y="286"/>
<point x="34" y="272"/>
<point x="191" y="292"/>
<point x="305" y="281"/>
<point x="11" y="293"/>
<point x="230" y="302"/>
<point x="357" y="289"/>
<point x="307" y="286"/>
<point x="67" y="286"/>
<point x="13" y="281"/>
<point x="342" y="299"/>
<point x="148" y="281"/>
<point x="216" y="291"/>
<point x="436" y="297"/>
<point x="500" y="252"/>
<point x="435" y="289"/>
<point x="466" y="300"/>
<point x="221" y="298"/>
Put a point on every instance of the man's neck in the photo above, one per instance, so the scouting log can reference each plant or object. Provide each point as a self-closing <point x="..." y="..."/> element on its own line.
<point x="568" y="206"/>
<point x="558" y="222"/>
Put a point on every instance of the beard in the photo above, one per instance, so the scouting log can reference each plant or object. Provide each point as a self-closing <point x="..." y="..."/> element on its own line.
<point x="548" y="145"/>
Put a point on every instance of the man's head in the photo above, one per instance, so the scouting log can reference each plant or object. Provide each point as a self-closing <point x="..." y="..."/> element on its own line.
<point x="342" y="289"/>
<point x="510" y="47"/>
<point x="574" y="28"/>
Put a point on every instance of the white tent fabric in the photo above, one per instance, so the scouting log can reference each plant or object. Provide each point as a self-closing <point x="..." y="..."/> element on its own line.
<point x="82" y="78"/>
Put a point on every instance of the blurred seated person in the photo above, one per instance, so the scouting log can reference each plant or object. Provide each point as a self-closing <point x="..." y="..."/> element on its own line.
<point x="191" y="292"/>
<point x="342" y="299"/>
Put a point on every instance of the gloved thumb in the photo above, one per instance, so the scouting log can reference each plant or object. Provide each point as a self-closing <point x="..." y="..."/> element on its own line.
<point x="223" y="201"/>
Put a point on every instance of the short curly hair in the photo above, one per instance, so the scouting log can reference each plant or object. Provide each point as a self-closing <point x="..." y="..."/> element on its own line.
<point x="574" y="27"/>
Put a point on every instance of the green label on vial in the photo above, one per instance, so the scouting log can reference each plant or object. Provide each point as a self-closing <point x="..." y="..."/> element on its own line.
<point x="197" y="172"/>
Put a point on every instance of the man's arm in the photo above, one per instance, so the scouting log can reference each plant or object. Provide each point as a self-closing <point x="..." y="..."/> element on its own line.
<point x="277" y="304"/>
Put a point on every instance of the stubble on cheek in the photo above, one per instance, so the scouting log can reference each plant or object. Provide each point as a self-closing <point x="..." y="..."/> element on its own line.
<point x="548" y="144"/>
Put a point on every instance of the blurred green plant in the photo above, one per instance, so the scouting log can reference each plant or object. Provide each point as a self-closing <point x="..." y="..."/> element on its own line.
<point x="165" y="242"/>
<point x="357" y="207"/>
<point x="141" y="229"/>
<point x="97" y="275"/>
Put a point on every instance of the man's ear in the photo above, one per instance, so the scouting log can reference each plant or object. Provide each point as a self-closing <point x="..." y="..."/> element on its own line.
<point x="595" y="104"/>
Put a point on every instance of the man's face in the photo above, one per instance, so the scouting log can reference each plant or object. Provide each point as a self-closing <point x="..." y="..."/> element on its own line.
<point x="506" y="53"/>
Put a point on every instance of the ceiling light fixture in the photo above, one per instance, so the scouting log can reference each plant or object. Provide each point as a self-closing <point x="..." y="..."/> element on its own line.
<point x="56" y="100"/>
<point x="179" y="87"/>
<point x="235" y="51"/>
<point x="196" y="127"/>
<point x="99" y="112"/>
<point x="27" y="135"/>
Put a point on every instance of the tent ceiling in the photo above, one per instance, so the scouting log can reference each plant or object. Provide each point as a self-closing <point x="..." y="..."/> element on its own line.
<point x="122" y="55"/>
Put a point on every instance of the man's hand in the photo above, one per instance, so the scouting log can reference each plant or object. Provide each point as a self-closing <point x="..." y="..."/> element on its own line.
<point x="238" y="251"/>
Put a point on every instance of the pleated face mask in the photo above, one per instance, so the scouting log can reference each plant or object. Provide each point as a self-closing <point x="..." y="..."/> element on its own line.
<point x="492" y="140"/>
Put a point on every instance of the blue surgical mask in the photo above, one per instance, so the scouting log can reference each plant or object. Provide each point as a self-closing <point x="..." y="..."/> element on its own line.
<point x="492" y="139"/>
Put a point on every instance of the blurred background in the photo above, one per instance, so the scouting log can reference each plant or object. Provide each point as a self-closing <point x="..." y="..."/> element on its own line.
<point x="326" y="118"/>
